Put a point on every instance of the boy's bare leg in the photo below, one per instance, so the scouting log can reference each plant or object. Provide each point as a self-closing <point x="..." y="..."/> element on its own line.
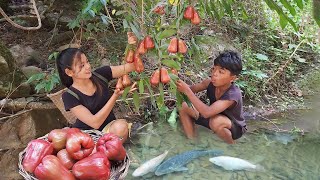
<point x="221" y="125"/>
<point x="120" y="128"/>
<point x="187" y="117"/>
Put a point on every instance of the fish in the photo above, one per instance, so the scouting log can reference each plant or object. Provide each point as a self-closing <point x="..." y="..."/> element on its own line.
<point x="235" y="164"/>
<point x="150" y="165"/>
<point x="177" y="163"/>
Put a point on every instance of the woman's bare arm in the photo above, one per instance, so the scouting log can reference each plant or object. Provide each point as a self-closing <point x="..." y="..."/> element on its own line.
<point x="118" y="71"/>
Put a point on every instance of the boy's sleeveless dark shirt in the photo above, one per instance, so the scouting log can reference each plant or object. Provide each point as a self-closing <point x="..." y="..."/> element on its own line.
<point x="235" y="113"/>
<point x="93" y="103"/>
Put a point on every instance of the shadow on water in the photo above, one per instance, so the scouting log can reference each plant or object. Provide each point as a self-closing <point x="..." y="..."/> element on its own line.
<point x="283" y="155"/>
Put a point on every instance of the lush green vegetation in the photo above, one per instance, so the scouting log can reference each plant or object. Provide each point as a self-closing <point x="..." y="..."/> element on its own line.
<point x="279" y="41"/>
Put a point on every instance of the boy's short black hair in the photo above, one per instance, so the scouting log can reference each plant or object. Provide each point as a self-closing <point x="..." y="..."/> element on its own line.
<point x="229" y="60"/>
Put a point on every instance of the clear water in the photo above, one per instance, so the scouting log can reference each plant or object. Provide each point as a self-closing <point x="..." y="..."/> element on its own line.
<point x="297" y="159"/>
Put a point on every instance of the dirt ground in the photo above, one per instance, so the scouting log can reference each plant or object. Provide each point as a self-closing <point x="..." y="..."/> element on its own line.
<point x="11" y="36"/>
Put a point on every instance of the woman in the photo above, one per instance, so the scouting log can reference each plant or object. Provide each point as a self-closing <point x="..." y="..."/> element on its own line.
<point x="88" y="97"/>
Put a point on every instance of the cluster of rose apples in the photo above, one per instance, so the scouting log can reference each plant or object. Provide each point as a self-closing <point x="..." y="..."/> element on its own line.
<point x="175" y="46"/>
<point x="71" y="154"/>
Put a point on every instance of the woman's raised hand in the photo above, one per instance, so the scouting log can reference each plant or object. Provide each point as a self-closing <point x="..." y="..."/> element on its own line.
<point x="119" y="92"/>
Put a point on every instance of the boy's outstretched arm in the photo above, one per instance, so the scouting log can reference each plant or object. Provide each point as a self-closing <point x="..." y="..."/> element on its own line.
<point x="200" y="86"/>
<point x="205" y="110"/>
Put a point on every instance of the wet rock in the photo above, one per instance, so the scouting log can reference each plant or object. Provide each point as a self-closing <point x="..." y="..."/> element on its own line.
<point x="179" y="177"/>
<point x="152" y="142"/>
<point x="4" y="4"/>
<point x="12" y="78"/>
<point x="62" y="37"/>
<point x="18" y="131"/>
<point x="134" y="159"/>
<point x="25" y="56"/>
<point x="6" y="54"/>
<point x="23" y="90"/>
<point x="56" y="19"/>
<point x="9" y="165"/>
<point x="28" y="71"/>
<point x="198" y="175"/>
<point x="4" y="68"/>
<point x="192" y="168"/>
<point x="203" y="143"/>
<point x="9" y="136"/>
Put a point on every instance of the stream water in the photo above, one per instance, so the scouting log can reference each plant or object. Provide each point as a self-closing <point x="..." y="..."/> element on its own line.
<point x="283" y="155"/>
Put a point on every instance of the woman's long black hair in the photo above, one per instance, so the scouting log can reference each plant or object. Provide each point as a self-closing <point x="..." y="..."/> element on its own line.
<point x="65" y="60"/>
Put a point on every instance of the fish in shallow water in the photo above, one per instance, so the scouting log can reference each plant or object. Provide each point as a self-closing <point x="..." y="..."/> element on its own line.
<point x="235" y="164"/>
<point x="178" y="162"/>
<point x="150" y="165"/>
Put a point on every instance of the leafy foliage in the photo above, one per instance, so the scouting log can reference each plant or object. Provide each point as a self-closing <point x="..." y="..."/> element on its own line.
<point x="47" y="80"/>
<point x="286" y="10"/>
<point x="264" y="51"/>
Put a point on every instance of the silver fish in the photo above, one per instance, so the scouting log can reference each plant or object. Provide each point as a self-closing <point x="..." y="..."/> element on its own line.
<point x="178" y="162"/>
<point x="150" y="165"/>
<point x="234" y="164"/>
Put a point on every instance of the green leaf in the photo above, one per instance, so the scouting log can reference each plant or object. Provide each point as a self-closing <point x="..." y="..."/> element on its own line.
<point x="104" y="2"/>
<point x="160" y="99"/>
<point x="136" y="100"/>
<point x="283" y="22"/>
<point x="244" y="12"/>
<point x="227" y="7"/>
<point x="172" y="64"/>
<point x="271" y="6"/>
<point x="36" y="77"/>
<point x="288" y="6"/>
<point x="174" y="78"/>
<point x="256" y="73"/>
<point x="262" y="57"/>
<point x="166" y="33"/>
<point x="316" y="12"/>
<point x="163" y="112"/>
<point x="291" y="46"/>
<point x="118" y="13"/>
<point x="194" y="44"/>
<point x="179" y="99"/>
<point x="49" y="87"/>
<point x="300" y="3"/>
<point x="125" y="24"/>
<point x="215" y="10"/>
<point x="153" y="101"/>
<point x="92" y="13"/>
<point x="141" y="86"/>
<point x="53" y="56"/>
<point x="135" y="30"/>
<point x="125" y="93"/>
<point x="282" y="15"/>
<point x="302" y="60"/>
<point x="186" y="99"/>
<point x="172" y="88"/>
<point x="173" y="118"/>
<point x="89" y="6"/>
<point x="104" y="19"/>
<point x="39" y="87"/>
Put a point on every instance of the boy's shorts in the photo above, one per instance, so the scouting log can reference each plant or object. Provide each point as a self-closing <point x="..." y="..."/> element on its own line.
<point x="236" y="130"/>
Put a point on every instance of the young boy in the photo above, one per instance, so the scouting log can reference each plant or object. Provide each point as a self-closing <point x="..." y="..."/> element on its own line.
<point x="224" y="115"/>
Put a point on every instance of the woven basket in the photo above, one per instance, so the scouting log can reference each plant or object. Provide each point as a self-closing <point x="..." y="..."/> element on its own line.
<point x="56" y="98"/>
<point x="119" y="169"/>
